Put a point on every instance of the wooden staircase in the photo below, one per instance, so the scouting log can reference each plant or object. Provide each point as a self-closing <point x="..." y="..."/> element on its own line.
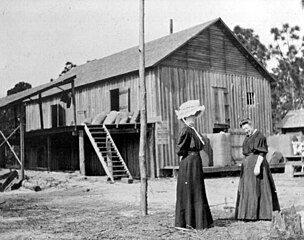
<point x="107" y="152"/>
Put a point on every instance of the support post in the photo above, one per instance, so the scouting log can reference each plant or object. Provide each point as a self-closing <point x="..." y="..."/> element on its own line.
<point x="22" y="141"/>
<point x="143" y="113"/>
<point x="41" y="112"/>
<point x="74" y="105"/>
<point x="49" y="152"/>
<point x="171" y="26"/>
<point x="151" y="144"/>
<point x="81" y="153"/>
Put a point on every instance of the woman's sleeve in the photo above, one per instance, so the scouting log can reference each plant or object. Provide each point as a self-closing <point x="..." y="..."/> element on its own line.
<point x="260" y="145"/>
<point x="183" y="142"/>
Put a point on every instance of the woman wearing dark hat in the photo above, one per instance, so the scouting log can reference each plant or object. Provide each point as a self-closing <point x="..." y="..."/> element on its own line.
<point x="192" y="208"/>
<point x="256" y="197"/>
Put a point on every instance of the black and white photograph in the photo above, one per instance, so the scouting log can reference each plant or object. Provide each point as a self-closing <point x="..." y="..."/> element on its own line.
<point x="151" y="119"/>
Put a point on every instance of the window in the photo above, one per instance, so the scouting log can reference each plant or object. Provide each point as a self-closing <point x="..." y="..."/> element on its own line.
<point x="114" y="98"/>
<point x="120" y="99"/>
<point x="221" y="109"/>
<point x="250" y="98"/>
<point x="58" y="115"/>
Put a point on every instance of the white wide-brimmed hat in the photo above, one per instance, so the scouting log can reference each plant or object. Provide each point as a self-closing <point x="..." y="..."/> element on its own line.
<point x="189" y="108"/>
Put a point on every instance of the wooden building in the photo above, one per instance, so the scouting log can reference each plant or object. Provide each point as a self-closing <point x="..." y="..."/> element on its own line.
<point x="205" y="62"/>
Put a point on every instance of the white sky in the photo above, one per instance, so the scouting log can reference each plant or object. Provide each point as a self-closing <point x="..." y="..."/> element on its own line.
<point x="38" y="37"/>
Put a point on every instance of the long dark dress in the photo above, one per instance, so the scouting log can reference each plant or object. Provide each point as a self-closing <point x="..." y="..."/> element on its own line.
<point x="192" y="208"/>
<point x="256" y="197"/>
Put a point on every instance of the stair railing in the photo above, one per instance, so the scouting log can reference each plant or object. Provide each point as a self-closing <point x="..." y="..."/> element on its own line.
<point x="116" y="149"/>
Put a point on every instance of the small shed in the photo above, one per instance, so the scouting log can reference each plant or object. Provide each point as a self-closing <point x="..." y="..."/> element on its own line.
<point x="293" y="123"/>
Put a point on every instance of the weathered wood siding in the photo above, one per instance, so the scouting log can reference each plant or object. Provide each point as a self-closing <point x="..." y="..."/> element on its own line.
<point x="93" y="99"/>
<point x="64" y="152"/>
<point x="178" y="85"/>
<point x="212" y="50"/>
<point x="211" y="68"/>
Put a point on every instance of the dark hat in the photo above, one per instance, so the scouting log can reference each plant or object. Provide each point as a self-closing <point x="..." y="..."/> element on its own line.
<point x="245" y="121"/>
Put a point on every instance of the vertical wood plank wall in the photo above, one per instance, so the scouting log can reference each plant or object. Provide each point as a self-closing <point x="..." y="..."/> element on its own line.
<point x="93" y="99"/>
<point x="178" y="85"/>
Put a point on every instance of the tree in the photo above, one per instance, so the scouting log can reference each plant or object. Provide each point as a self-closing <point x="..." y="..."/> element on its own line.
<point x="252" y="42"/>
<point x="288" y="52"/>
<point x="68" y="67"/>
<point x="20" y="86"/>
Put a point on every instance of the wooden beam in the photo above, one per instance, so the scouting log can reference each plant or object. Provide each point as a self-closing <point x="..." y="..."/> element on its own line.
<point x="27" y="94"/>
<point x="49" y="152"/>
<point x="81" y="153"/>
<point x="22" y="125"/>
<point x="74" y="104"/>
<point x="40" y="112"/>
<point x="152" y="152"/>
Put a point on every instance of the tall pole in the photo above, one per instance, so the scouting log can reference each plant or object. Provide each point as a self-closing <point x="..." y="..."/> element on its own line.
<point x="143" y="113"/>
<point x="21" y="122"/>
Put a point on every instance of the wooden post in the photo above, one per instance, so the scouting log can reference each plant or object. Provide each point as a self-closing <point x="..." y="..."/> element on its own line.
<point x="22" y="140"/>
<point x="143" y="113"/>
<point x="81" y="153"/>
<point x="49" y="152"/>
<point x="41" y="112"/>
<point x="287" y="222"/>
<point x="151" y="148"/>
<point x="171" y="26"/>
<point x="109" y="156"/>
<point x="74" y="104"/>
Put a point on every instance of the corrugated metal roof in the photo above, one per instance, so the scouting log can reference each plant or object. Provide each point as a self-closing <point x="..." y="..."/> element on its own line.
<point x="127" y="60"/>
<point x="293" y="119"/>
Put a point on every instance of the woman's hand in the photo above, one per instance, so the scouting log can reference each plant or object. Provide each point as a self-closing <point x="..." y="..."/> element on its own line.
<point x="257" y="167"/>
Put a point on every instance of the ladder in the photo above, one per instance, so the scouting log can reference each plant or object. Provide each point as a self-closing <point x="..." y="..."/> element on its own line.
<point x="107" y="152"/>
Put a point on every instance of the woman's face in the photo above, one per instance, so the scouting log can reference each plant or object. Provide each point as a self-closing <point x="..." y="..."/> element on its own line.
<point x="190" y="119"/>
<point x="248" y="129"/>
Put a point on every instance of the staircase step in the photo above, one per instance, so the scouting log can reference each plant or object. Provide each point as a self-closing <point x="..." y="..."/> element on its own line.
<point x="103" y="146"/>
<point x="97" y="133"/>
<point x="115" y="161"/>
<point x="108" y="152"/>
<point x="102" y="141"/>
<point x="120" y="175"/>
<point x="116" y="171"/>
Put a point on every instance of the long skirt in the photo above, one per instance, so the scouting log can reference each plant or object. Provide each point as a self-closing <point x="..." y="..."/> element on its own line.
<point x="256" y="197"/>
<point x="192" y="208"/>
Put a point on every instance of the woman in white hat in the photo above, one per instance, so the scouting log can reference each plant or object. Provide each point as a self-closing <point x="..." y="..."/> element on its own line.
<point x="192" y="208"/>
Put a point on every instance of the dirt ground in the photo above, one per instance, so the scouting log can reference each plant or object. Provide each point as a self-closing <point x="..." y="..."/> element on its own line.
<point x="71" y="206"/>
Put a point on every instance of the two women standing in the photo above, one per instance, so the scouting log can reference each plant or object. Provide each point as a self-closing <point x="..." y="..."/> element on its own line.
<point x="256" y="195"/>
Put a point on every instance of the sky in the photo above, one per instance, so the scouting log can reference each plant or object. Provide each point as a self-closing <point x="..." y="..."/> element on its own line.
<point x="37" y="37"/>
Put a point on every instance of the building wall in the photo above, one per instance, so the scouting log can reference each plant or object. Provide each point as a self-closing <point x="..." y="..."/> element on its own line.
<point x="211" y="68"/>
<point x="212" y="50"/>
<point x="94" y="99"/>
<point x="178" y="85"/>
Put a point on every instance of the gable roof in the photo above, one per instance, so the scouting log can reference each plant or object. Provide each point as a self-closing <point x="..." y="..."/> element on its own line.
<point x="127" y="61"/>
<point x="293" y="119"/>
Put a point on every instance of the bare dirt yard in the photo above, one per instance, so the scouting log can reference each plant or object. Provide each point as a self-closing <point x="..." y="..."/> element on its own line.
<point x="71" y="206"/>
